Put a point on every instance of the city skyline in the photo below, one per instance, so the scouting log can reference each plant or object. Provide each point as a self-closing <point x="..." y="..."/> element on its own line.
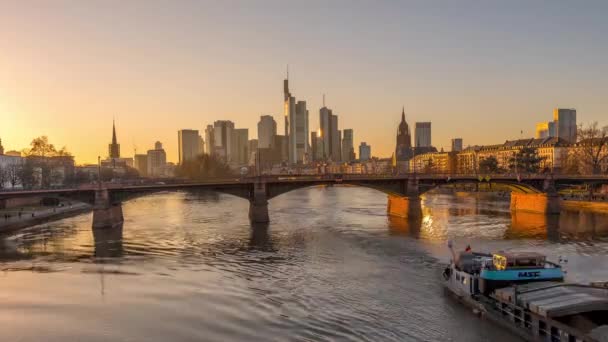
<point x="509" y="81"/>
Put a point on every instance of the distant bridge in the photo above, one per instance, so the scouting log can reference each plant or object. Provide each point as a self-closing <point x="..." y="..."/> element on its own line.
<point x="535" y="193"/>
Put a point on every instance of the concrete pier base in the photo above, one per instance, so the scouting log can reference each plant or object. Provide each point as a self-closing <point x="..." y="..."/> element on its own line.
<point x="108" y="217"/>
<point x="108" y="242"/>
<point x="105" y="213"/>
<point x="258" y="205"/>
<point x="549" y="204"/>
<point x="409" y="207"/>
<point x="258" y="213"/>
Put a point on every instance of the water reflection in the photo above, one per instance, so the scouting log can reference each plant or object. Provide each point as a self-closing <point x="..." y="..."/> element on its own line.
<point x="583" y="225"/>
<point x="533" y="226"/>
<point x="108" y="242"/>
<point x="330" y="266"/>
<point x="404" y="227"/>
<point x="260" y="237"/>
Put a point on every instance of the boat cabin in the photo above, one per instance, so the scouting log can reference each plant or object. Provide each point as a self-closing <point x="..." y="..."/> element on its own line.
<point x="518" y="268"/>
<point x="503" y="261"/>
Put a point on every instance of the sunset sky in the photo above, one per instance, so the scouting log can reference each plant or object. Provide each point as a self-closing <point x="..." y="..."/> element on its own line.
<point x="480" y="70"/>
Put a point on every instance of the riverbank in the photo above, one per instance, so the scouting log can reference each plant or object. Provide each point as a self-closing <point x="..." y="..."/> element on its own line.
<point x="18" y="218"/>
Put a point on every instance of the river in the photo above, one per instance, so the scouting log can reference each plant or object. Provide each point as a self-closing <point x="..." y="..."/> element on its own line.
<point x="331" y="266"/>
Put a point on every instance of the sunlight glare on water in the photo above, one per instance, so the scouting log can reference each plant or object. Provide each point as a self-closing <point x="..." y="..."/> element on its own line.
<point x="331" y="266"/>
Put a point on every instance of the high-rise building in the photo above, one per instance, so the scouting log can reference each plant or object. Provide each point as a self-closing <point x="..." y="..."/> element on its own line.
<point x="201" y="145"/>
<point x="302" y="131"/>
<point x="365" y="151"/>
<point x="188" y="144"/>
<point x="565" y="124"/>
<point x="542" y="130"/>
<point x="114" y="147"/>
<point x="141" y="164"/>
<point x="252" y="148"/>
<point x="240" y="140"/>
<point x="348" y="149"/>
<point x="330" y="134"/>
<point x="296" y="125"/>
<point x="403" y="150"/>
<point x="545" y="130"/>
<point x="279" y="147"/>
<point x="222" y="138"/>
<point x="1" y="147"/>
<point x="552" y="127"/>
<point x="423" y="134"/>
<point x="289" y="106"/>
<point x="209" y="140"/>
<point x="325" y="115"/>
<point x="313" y="146"/>
<point x="157" y="160"/>
<point x="267" y="129"/>
<point x="456" y="144"/>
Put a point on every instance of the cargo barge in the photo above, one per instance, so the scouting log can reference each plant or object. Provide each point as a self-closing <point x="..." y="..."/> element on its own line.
<point x="527" y="294"/>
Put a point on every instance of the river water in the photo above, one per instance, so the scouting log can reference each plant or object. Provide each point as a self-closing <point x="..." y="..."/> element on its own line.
<point x="331" y="266"/>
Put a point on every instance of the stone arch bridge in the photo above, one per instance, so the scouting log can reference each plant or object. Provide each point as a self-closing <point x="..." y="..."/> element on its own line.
<point x="537" y="193"/>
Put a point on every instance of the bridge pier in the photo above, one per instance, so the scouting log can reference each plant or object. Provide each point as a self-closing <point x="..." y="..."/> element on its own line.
<point x="409" y="207"/>
<point x="105" y="213"/>
<point x="258" y="204"/>
<point x="542" y="203"/>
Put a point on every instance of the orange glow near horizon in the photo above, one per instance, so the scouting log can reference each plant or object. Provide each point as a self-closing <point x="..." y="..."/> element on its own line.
<point x="68" y="68"/>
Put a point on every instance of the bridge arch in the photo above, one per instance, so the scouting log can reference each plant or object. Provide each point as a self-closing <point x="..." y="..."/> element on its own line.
<point x="394" y="188"/>
<point x="520" y="187"/>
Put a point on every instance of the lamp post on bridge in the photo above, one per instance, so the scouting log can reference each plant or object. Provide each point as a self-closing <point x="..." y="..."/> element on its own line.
<point x="99" y="172"/>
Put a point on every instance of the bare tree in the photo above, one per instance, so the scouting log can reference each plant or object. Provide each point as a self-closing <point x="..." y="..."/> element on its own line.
<point x="13" y="172"/>
<point x="40" y="147"/>
<point x="592" y="147"/>
<point x="3" y="176"/>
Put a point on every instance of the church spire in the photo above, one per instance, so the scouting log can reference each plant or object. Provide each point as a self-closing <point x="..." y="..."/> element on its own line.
<point x="114" y="147"/>
<point x="113" y="133"/>
<point x="403" y="114"/>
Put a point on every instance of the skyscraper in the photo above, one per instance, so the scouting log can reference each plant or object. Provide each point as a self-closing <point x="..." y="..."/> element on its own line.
<point x="403" y="149"/>
<point x="456" y="144"/>
<point x="222" y="138"/>
<point x="325" y="115"/>
<point x="209" y="140"/>
<point x="545" y="130"/>
<point x="252" y="148"/>
<point x="423" y="134"/>
<point x="240" y="140"/>
<point x="114" y="147"/>
<point x="290" y="115"/>
<point x="365" y="151"/>
<point x="542" y="130"/>
<point x="565" y="124"/>
<point x="1" y="147"/>
<point x="330" y="134"/>
<point x="348" y="149"/>
<point x="201" y="145"/>
<point x="141" y="164"/>
<point x="296" y="125"/>
<point x="157" y="160"/>
<point x="314" y="146"/>
<point x="267" y="128"/>
<point x="188" y="144"/>
<point x="301" y="131"/>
